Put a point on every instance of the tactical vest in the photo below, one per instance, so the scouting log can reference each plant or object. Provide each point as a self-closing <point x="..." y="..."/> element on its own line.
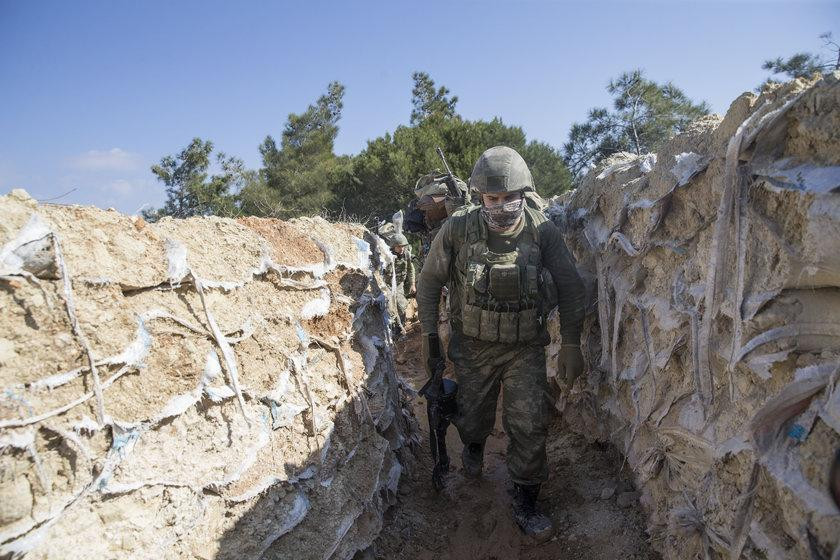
<point x="504" y="297"/>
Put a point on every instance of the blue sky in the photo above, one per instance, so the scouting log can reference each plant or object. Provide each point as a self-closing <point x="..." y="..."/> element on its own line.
<point x="93" y="93"/>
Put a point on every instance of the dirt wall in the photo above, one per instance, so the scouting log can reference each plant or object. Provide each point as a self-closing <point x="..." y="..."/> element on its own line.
<point x="713" y="333"/>
<point x="201" y="388"/>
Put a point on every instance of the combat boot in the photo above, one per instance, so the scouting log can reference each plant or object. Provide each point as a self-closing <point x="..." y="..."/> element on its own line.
<point x="472" y="457"/>
<point x="525" y="513"/>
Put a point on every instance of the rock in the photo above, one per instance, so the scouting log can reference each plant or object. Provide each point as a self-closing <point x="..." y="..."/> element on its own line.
<point x="22" y="196"/>
<point x="608" y="492"/>
<point x="713" y="303"/>
<point x="485" y="524"/>
<point x="367" y="554"/>
<point x="292" y="470"/>
<point x="627" y="499"/>
<point x="15" y="500"/>
<point x="7" y="352"/>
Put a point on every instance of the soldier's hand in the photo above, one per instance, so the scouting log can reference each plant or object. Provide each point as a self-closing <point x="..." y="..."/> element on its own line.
<point x="569" y="364"/>
<point x="413" y="291"/>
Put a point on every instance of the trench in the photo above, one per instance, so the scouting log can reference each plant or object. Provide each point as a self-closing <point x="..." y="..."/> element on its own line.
<point x="261" y="412"/>
<point x="590" y="498"/>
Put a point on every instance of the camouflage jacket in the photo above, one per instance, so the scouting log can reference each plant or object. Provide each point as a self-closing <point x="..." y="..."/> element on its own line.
<point x="404" y="267"/>
<point x="444" y="266"/>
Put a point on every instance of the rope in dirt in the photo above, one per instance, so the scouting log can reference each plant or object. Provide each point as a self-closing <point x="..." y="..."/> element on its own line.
<point x="224" y="346"/>
<point x="77" y="330"/>
<point x="55" y="412"/>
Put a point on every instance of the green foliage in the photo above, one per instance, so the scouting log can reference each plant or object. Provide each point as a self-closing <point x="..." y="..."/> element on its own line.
<point x="302" y="176"/>
<point x="189" y="191"/>
<point x="803" y="64"/>
<point x="297" y="176"/>
<point x="382" y="177"/>
<point x="384" y="173"/>
<point x="550" y="173"/>
<point x="428" y="102"/>
<point x="800" y="65"/>
<point x="644" y="115"/>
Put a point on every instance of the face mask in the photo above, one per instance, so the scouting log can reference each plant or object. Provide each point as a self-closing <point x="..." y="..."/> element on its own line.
<point x="501" y="217"/>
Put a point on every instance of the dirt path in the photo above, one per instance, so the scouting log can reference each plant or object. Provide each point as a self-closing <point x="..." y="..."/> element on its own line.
<point x="592" y="504"/>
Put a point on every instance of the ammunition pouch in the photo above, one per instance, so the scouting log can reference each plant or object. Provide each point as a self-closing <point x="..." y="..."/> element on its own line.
<point x="502" y="303"/>
<point x="505" y="297"/>
<point x="504" y="283"/>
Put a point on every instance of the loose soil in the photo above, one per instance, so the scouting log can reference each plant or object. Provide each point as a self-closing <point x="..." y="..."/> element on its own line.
<point x="287" y="245"/>
<point x="588" y="496"/>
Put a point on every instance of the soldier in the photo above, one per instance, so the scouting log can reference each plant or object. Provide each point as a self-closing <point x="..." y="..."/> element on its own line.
<point x="405" y="275"/>
<point x="433" y="205"/>
<point x="506" y="266"/>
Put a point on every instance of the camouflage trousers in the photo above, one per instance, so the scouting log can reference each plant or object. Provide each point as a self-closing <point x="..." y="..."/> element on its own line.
<point x="482" y="369"/>
<point x="402" y="305"/>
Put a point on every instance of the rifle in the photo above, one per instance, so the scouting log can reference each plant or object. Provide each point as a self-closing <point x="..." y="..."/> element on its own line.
<point x="441" y="408"/>
<point x="451" y="185"/>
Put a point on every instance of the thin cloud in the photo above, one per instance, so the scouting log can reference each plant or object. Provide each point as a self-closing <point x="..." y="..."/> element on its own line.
<point x="115" y="159"/>
<point x="121" y="186"/>
<point x="131" y="186"/>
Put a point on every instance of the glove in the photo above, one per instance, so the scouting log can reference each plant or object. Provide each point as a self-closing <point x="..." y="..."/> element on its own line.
<point x="569" y="364"/>
<point x="432" y="354"/>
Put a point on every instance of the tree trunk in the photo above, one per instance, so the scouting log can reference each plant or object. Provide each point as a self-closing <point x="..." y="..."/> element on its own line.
<point x="633" y="126"/>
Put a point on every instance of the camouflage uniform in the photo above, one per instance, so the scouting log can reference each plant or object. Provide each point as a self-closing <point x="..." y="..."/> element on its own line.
<point x="506" y="267"/>
<point x="481" y="369"/>
<point x="434" y="204"/>
<point x="518" y="362"/>
<point x="405" y="275"/>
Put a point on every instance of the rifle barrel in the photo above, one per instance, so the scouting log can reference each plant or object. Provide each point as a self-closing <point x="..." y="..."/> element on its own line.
<point x="453" y="190"/>
<point x="443" y="159"/>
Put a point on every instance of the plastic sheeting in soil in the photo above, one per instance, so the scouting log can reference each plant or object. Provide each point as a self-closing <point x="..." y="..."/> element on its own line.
<point x="201" y="388"/>
<point x="713" y="333"/>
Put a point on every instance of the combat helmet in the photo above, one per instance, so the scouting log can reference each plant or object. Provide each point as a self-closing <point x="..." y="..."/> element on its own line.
<point x="501" y="170"/>
<point x="398" y="240"/>
<point x="431" y="184"/>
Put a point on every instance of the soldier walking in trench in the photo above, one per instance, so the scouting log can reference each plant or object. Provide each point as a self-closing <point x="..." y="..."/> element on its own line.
<point x="435" y="201"/>
<point x="506" y="266"/>
<point x="403" y="269"/>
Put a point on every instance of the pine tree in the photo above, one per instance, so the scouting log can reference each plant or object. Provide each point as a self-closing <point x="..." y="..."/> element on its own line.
<point x="644" y="115"/>
<point x="383" y="175"/>
<point x="297" y="176"/>
<point x="189" y="192"/>
<point x="429" y="102"/>
<point x="803" y="64"/>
